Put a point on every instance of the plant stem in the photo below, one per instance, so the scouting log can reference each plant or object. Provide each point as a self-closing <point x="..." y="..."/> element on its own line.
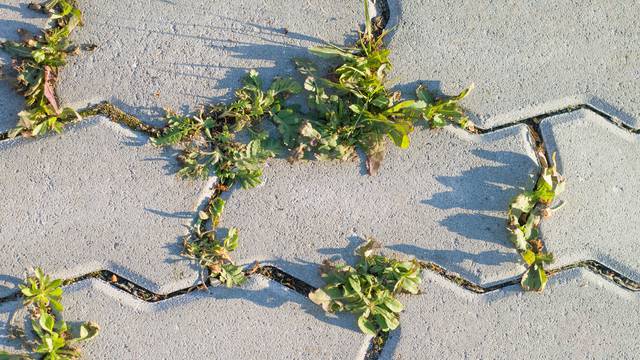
<point x="367" y="19"/>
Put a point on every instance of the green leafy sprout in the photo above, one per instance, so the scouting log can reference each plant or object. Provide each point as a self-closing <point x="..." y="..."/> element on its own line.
<point x="54" y="338"/>
<point x="42" y="291"/>
<point x="369" y="289"/>
<point x="210" y="136"/>
<point x="38" y="60"/>
<point x="211" y="253"/>
<point x="211" y="146"/>
<point x="526" y="210"/>
<point x="352" y="108"/>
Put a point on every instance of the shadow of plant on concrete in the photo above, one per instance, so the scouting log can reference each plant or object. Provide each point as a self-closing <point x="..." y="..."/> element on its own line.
<point x="483" y="193"/>
<point x="275" y="296"/>
<point x="267" y="49"/>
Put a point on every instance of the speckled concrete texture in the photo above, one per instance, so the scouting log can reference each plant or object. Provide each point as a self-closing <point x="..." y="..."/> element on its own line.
<point x="579" y="316"/>
<point x="443" y="200"/>
<point x="261" y="320"/>
<point x="95" y="197"/>
<point x="602" y="202"/>
<point x="525" y="57"/>
<point x="180" y="54"/>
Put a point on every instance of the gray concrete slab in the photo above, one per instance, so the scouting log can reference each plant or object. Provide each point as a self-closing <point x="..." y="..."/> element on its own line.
<point x="579" y="316"/>
<point x="443" y="200"/>
<point x="14" y="15"/>
<point x="526" y="58"/>
<point x="600" y="219"/>
<point x="261" y="320"/>
<point x="10" y="314"/>
<point x="179" y="54"/>
<point x="95" y="197"/>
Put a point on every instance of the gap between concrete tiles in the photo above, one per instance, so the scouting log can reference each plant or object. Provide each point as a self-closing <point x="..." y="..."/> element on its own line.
<point x="592" y="265"/>
<point x="289" y="281"/>
<point x="303" y="288"/>
<point x="377" y="347"/>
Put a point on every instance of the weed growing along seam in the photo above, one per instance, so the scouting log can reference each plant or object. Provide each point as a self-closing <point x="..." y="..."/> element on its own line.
<point x="350" y="109"/>
<point x="525" y="213"/>
<point x="369" y="289"/>
<point x="55" y="339"/>
<point x="37" y="59"/>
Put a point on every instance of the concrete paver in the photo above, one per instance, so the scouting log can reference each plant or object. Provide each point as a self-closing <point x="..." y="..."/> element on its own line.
<point x="100" y="197"/>
<point x="600" y="218"/>
<point x="443" y="200"/>
<point x="526" y="58"/>
<point x="580" y="315"/>
<point x="179" y="54"/>
<point x="261" y="320"/>
<point x="95" y="197"/>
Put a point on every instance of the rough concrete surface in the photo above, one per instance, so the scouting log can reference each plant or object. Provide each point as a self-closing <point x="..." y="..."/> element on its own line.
<point x="95" y="197"/>
<point x="261" y="320"/>
<point x="444" y="200"/>
<point x="525" y="57"/>
<point x="98" y="196"/>
<point x="14" y="15"/>
<point x="579" y="316"/>
<point x="179" y="54"/>
<point x="602" y="202"/>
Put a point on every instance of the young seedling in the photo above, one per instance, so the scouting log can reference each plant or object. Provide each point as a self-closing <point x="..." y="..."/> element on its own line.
<point x="369" y="289"/>
<point x="56" y="341"/>
<point x="37" y="62"/>
<point x="54" y="338"/>
<point x="212" y="254"/>
<point x="525" y="213"/>
<point x="352" y="108"/>
<point x="212" y="148"/>
<point x="442" y="111"/>
<point x="43" y="292"/>
<point x="210" y="137"/>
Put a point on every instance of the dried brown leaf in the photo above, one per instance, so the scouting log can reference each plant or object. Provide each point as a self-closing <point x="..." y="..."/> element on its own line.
<point x="50" y="88"/>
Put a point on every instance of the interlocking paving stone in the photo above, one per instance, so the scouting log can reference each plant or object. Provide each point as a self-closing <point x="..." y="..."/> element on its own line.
<point x="95" y="197"/>
<point x="526" y="57"/>
<point x="261" y="320"/>
<point x="14" y="15"/>
<point x="179" y="54"/>
<point x="443" y="200"/>
<point x="600" y="218"/>
<point x="580" y="315"/>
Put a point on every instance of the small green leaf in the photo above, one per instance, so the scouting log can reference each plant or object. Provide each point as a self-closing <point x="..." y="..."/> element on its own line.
<point x="88" y="331"/>
<point x="529" y="257"/>
<point x="231" y="241"/>
<point x="534" y="279"/>
<point x="285" y="86"/>
<point x="423" y="94"/>
<point x="367" y="326"/>
<point x="546" y="258"/>
<point x="38" y="55"/>
<point x="305" y="66"/>
<point x="393" y="305"/>
<point x="331" y="51"/>
<point x="354" y="283"/>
